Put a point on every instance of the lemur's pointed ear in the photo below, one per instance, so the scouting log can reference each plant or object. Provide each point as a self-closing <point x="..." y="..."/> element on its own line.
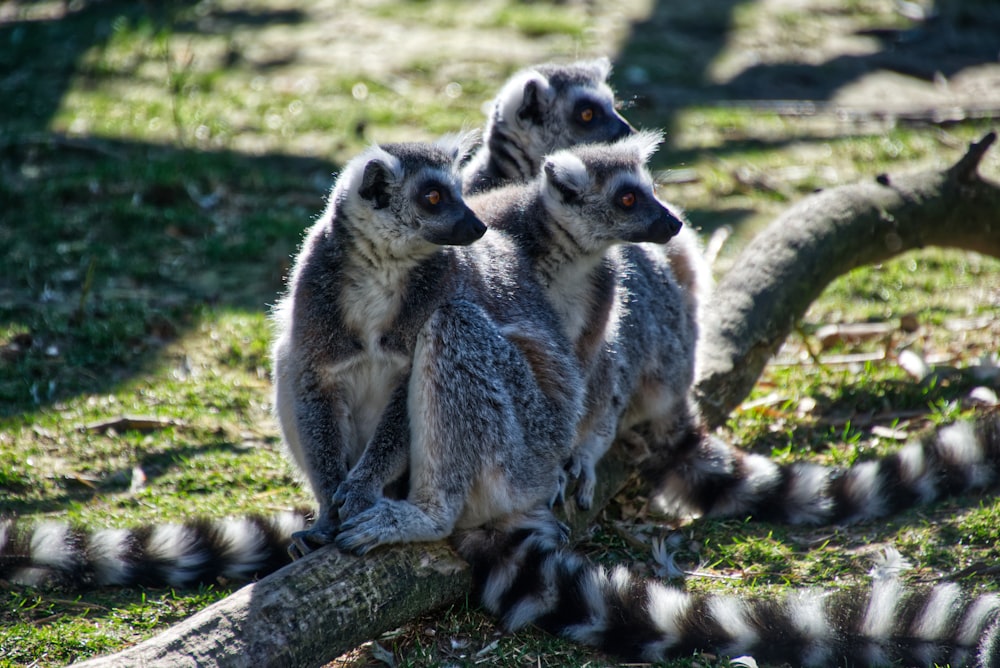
<point x="460" y="145"/>
<point x="645" y="142"/>
<point x="566" y="174"/>
<point x="532" y="101"/>
<point x="601" y="68"/>
<point x="375" y="183"/>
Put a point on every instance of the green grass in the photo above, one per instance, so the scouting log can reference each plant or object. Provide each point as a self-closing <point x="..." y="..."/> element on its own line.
<point x="537" y="20"/>
<point x="159" y="163"/>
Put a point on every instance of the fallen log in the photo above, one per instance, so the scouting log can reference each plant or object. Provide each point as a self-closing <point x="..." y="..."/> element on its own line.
<point x="308" y="612"/>
<point x="784" y="269"/>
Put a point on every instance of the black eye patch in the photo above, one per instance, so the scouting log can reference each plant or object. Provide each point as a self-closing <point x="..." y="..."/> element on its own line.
<point x="628" y="197"/>
<point x="586" y="112"/>
<point x="431" y="196"/>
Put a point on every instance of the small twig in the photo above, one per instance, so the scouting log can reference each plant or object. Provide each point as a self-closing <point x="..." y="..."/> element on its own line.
<point x="712" y="576"/>
<point x="978" y="568"/>
<point x="131" y="423"/>
<point x="966" y="169"/>
<point x="861" y="420"/>
<point x="84" y="605"/>
<point x="798" y="329"/>
<point x="831" y="360"/>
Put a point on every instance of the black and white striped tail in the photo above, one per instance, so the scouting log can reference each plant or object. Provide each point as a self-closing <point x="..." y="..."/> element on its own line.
<point x="714" y="479"/>
<point x="524" y="575"/>
<point x="54" y="554"/>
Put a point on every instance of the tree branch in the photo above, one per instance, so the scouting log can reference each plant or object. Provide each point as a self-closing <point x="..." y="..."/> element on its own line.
<point x="785" y="268"/>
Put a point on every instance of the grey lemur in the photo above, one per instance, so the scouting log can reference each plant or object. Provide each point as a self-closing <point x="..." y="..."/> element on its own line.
<point x="622" y="308"/>
<point x="620" y="305"/>
<point x="539" y="111"/>
<point x="544" y="108"/>
<point x="394" y="349"/>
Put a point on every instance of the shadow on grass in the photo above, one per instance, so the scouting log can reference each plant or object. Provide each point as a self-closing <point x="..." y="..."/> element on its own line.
<point x="112" y="248"/>
<point x="665" y="67"/>
<point x="665" y="64"/>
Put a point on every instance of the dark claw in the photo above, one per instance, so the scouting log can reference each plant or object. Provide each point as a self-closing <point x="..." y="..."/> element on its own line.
<point x="304" y="542"/>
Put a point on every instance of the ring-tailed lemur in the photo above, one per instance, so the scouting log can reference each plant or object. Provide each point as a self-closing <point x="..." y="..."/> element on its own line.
<point x="622" y="309"/>
<point x="619" y="304"/>
<point x="395" y="350"/>
<point x="541" y="109"/>
<point x="368" y="277"/>
<point x="552" y="106"/>
<point x="358" y="293"/>
<point x="704" y="475"/>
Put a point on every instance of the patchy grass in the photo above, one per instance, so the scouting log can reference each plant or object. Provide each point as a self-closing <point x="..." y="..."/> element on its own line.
<point x="159" y="162"/>
<point x="537" y="20"/>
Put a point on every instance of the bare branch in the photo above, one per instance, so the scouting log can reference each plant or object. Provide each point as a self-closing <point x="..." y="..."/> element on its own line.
<point x="786" y="267"/>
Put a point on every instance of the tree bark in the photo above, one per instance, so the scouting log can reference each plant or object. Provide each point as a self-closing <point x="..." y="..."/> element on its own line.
<point x="309" y="612"/>
<point x="328" y="603"/>
<point x="785" y="268"/>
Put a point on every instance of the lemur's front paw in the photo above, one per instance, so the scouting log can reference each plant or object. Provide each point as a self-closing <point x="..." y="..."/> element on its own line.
<point x="581" y="469"/>
<point x="353" y="497"/>
<point x="368" y="529"/>
<point x="574" y="466"/>
<point x="559" y="495"/>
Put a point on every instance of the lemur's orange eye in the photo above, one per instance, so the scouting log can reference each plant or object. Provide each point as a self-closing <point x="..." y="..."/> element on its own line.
<point x="627" y="200"/>
<point x="587" y="115"/>
<point x="433" y="197"/>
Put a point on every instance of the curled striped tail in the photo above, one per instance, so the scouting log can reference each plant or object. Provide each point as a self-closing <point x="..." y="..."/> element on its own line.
<point x="714" y="479"/>
<point x="51" y="554"/>
<point x="524" y="575"/>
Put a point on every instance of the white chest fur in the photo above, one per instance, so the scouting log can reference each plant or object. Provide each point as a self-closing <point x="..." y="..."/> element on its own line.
<point x="570" y="295"/>
<point x="370" y="305"/>
<point x="365" y="382"/>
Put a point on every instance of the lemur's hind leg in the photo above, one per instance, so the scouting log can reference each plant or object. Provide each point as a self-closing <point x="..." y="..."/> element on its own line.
<point x="469" y="463"/>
